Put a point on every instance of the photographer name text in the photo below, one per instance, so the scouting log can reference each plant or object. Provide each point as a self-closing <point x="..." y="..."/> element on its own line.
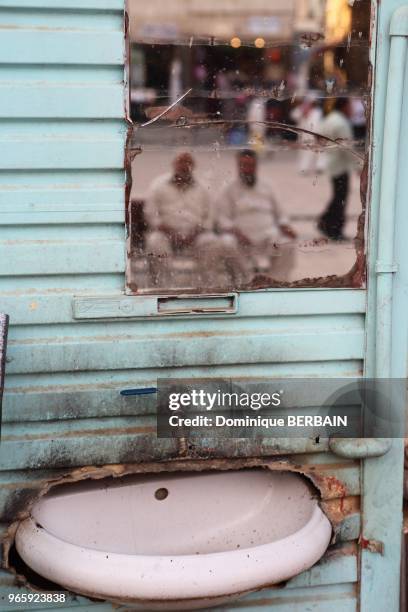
<point x="300" y="421"/>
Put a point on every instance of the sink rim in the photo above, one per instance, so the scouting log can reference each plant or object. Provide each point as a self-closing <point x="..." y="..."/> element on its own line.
<point x="133" y="577"/>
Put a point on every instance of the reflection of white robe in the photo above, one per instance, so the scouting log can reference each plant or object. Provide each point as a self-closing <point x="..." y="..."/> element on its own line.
<point x="175" y="84"/>
<point x="183" y="210"/>
<point x="338" y="159"/>
<point x="309" y="160"/>
<point x="257" y="114"/>
<point x="253" y="211"/>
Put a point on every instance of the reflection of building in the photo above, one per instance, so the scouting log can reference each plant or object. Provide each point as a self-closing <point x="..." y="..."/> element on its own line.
<point x="338" y="20"/>
<point x="310" y="15"/>
<point x="224" y="19"/>
<point x="179" y="25"/>
<point x="234" y="49"/>
<point x="347" y="41"/>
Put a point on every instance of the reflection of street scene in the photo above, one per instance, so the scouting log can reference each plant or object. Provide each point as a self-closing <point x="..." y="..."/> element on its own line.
<point x="251" y="224"/>
<point x="339" y="165"/>
<point x="284" y="91"/>
<point x="179" y="218"/>
<point x="301" y="199"/>
<point x="308" y="116"/>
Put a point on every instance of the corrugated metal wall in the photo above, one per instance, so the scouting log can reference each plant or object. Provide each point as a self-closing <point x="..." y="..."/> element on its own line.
<point x="62" y="204"/>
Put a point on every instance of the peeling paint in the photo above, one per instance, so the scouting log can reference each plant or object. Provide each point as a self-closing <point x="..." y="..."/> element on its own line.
<point x="373" y="546"/>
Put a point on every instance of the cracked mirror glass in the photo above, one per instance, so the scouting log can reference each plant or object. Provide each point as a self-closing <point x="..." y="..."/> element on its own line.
<point x="248" y="145"/>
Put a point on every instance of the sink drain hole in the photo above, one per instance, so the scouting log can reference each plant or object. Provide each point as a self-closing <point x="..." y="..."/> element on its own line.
<point x="161" y="494"/>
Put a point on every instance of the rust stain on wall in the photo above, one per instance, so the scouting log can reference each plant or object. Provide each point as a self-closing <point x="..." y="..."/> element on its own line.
<point x="373" y="546"/>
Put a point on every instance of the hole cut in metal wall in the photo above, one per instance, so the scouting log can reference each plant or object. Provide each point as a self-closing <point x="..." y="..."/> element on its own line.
<point x="248" y="152"/>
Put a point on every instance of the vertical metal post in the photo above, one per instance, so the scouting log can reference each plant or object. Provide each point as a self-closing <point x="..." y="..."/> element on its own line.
<point x="387" y="319"/>
<point x="386" y="266"/>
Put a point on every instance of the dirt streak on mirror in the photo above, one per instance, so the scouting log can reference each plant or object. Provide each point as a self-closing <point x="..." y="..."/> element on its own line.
<point x="252" y="122"/>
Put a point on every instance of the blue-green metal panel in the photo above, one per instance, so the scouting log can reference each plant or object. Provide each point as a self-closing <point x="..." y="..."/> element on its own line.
<point x="127" y="440"/>
<point x="83" y="232"/>
<point x="65" y="175"/>
<point x="341" y="598"/>
<point x="44" y="308"/>
<point x="65" y="153"/>
<point x="76" y="101"/>
<point x="387" y="322"/>
<point x="60" y="5"/>
<point x="25" y="208"/>
<point x="323" y="595"/>
<point x="58" y="363"/>
<point x="36" y="397"/>
<point x="86" y="283"/>
<point x="114" y="350"/>
<point x="70" y="179"/>
<point x="68" y="257"/>
<point x="39" y="46"/>
<point x="101" y="19"/>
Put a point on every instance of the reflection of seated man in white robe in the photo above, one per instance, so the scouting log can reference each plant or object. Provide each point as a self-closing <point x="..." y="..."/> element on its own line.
<point x="254" y="233"/>
<point x="179" y="218"/>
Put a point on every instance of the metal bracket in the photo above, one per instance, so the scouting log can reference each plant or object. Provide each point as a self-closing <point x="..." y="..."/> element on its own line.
<point x="360" y="448"/>
<point x="399" y="22"/>
<point x="386" y="268"/>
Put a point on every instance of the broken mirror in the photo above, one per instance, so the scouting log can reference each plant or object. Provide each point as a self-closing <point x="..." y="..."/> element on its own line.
<point x="248" y="144"/>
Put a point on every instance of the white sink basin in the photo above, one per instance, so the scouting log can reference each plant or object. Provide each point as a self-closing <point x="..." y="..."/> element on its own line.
<point x="181" y="541"/>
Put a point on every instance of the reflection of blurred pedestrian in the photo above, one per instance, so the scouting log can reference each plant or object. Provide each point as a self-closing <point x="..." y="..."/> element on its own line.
<point x="308" y="117"/>
<point x="176" y="81"/>
<point x="256" y="122"/>
<point x="339" y="164"/>
<point x="252" y="224"/>
<point x="358" y="118"/>
<point x="179" y="218"/>
<point x="238" y="135"/>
